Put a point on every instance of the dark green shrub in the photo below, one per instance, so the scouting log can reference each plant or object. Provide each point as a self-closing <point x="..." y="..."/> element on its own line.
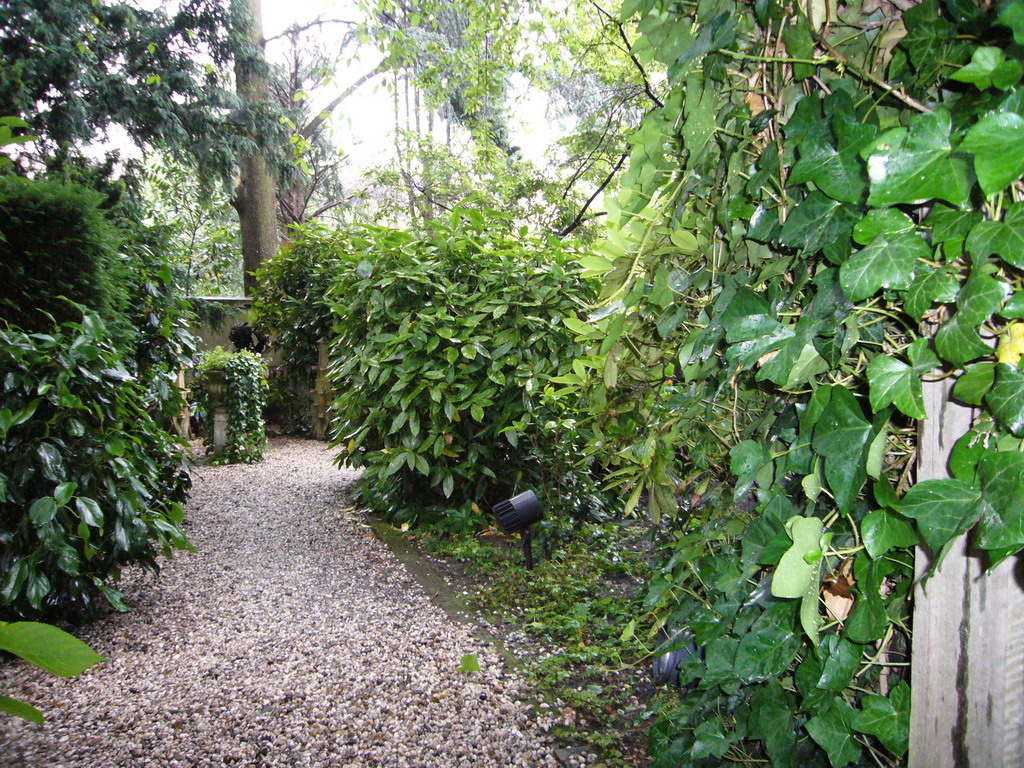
<point x="55" y="242"/>
<point x="89" y="482"/>
<point x="236" y="382"/>
<point x="443" y="344"/>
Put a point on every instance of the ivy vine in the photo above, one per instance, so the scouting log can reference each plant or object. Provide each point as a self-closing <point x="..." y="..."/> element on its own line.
<point x="236" y="382"/>
<point x="826" y="212"/>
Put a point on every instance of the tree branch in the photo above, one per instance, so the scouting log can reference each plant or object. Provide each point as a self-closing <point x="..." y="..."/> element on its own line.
<point x="314" y="125"/>
<point x="629" y="52"/>
<point x="607" y="180"/>
<point x="299" y="29"/>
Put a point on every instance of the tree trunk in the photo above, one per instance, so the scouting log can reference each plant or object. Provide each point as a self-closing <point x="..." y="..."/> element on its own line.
<point x="256" y="194"/>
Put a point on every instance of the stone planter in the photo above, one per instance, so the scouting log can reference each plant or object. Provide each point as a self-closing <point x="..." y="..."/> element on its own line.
<point x="216" y="385"/>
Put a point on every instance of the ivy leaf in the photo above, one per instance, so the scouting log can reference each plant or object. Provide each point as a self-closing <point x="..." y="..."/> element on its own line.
<point x="841" y="660"/>
<point x="1006" y="398"/>
<point x="710" y="739"/>
<point x="958" y="343"/>
<point x="841" y="436"/>
<point x="878" y="221"/>
<point x="838" y="173"/>
<point x="747" y="459"/>
<point x="797" y="567"/>
<point x="819" y="221"/>
<point x="974" y="383"/>
<point x="930" y="285"/>
<point x="980" y="298"/>
<point x="916" y="164"/>
<point x="1001" y="476"/>
<point x="887" y="719"/>
<point x="894" y="382"/>
<point x="950" y="223"/>
<point x="1012" y="16"/>
<point x="988" y="67"/>
<point x="833" y="733"/>
<point x="882" y="530"/>
<point x="47" y="647"/>
<point x="1004" y="238"/>
<point x="889" y="262"/>
<point x="997" y="142"/>
<point x="769" y="647"/>
<point x="943" y="508"/>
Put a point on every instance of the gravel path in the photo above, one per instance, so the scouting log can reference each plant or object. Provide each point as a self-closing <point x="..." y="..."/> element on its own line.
<point x="292" y="638"/>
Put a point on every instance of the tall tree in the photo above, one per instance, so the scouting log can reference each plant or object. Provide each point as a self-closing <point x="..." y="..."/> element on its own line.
<point x="256" y="192"/>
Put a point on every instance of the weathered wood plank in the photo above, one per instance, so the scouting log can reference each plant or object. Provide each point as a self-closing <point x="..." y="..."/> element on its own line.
<point x="968" y="646"/>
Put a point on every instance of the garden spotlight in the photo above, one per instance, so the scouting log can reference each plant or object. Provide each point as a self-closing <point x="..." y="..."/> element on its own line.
<point x="516" y="515"/>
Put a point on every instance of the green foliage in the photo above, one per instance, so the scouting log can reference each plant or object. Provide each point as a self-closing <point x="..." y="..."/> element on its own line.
<point x="290" y="302"/>
<point x="443" y="344"/>
<point x="56" y="244"/>
<point x="73" y="68"/>
<point x="48" y="648"/>
<point x="757" y="356"/>
<point x="90" y="482"/>
<point x="237" y="383"/>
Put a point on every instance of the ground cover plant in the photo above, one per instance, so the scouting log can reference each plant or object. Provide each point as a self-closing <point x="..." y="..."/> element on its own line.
<point x="818" y="217"/>
<point x="571" y="622"/>
<point x="443" y="342"/>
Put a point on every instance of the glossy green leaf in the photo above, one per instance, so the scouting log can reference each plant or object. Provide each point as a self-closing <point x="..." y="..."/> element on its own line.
<point x="882" y="221"/>
<point x="974" y="383"/>
<point x="916" y="164"/>
<point x="21" y="709"/>
<point x="980" y="298"/>
<point x="767" y="650"/>
<point x="887" y="719"/>
<point x="950" y="223"/>
<point x="959" y="343"/>
<point x="819" y="221"/>
<point x="1004" y="238"/>
<point x="795" y="570"/>
<point x="895" y="382"/>
<point x="89" y="511"/>
<point x="889" y="262"/>
<point x="988" y="67"/>
<point x="838" y="172"/>
<point x="1001" y="477"/>
<point x="841" y="659"/>
<point x="47" y="647"/>
<point x="833" y="731"/>
<point x="1012" y="16"/>
<point x="929" y="286"/>
<point x="711" y="740"/>
<point x="943" y="509"/>
<point x="841" y="437"/>
<point x="42" y="510"/>
<point x="747" y="459"/>
<point x="883" y="530"/>
<point x="1006" y="398"/>
<point x="997" y="142"/>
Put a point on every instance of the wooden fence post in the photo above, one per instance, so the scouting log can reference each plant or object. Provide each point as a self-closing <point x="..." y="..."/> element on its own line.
<point x="967" y="707"/>
<point x="321" y="394"/>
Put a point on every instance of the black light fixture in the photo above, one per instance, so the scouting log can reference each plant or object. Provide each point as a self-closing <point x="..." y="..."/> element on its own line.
<point x="670" y="653"/>
<point x="516" y="515"/>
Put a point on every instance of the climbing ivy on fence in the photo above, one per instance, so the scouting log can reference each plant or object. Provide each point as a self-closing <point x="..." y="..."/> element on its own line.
<point x="826" y="212"/>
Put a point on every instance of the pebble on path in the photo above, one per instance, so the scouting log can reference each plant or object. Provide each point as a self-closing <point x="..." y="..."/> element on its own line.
<point x="291" y="638"/>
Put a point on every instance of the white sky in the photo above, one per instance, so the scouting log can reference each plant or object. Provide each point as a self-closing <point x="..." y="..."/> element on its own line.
<point x="363" y="125"/>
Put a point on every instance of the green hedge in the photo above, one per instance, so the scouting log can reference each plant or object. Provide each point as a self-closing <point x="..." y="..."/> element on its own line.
<point x="89" y="481"/>
<point x="443" y="344"/>
<point x="55" y="241"/>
